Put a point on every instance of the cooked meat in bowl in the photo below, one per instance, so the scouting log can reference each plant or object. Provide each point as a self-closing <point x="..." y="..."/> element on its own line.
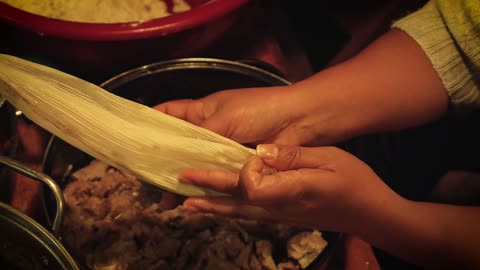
<point x="115" y="221"/>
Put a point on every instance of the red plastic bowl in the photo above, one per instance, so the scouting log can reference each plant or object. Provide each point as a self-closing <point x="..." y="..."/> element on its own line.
<point x="94" y="46"/>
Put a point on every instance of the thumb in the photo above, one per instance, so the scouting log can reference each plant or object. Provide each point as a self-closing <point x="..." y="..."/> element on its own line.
<point x="284" y="158"/>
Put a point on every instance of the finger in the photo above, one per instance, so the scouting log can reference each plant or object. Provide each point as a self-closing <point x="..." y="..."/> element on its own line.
<point x="175" y="108"/>
<point x="186" y="109"/>
<point x="222" y="181"/>
<point x="284" y="158"/>
<point x="250" y="178"/>
<point x="229" y="207"/>
<point x="274" y="188"/>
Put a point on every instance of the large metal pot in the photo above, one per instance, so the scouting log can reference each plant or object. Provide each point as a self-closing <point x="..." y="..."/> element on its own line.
<point x="168" y="80"/>
<point x="24" y="243"/>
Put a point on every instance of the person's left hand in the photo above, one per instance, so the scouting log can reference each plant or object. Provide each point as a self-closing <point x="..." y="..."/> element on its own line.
<point x="324" y="188"/>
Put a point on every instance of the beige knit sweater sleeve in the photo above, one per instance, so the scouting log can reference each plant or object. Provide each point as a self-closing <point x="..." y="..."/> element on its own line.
<point x="449" y="33"/>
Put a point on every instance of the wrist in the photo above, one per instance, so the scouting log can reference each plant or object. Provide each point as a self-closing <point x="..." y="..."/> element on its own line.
<point x="383" y="218"/>
<point x="326" y="114"/>
<point x="438" y="236"/>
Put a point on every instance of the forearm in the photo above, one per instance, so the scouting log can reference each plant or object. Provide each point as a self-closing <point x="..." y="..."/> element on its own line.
<point x="435" y="236"/>
<point x="390" y="85"/>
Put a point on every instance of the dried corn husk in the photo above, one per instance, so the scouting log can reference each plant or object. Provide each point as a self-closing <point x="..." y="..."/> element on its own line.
<point x="132" y="137"/>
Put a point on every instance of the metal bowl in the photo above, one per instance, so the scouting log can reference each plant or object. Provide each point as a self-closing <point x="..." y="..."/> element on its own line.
<point x="163" y="81"/>
<point x="24" y="243"/>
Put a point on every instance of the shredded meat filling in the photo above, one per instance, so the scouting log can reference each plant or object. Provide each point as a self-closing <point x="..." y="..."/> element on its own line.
<point x="114" y="221"/>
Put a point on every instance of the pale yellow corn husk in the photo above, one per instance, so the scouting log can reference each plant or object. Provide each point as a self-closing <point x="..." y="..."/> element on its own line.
<point x="132" y="137"/>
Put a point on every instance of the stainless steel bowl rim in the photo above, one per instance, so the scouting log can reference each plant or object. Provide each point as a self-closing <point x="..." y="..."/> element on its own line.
<point x="194" y="63"/>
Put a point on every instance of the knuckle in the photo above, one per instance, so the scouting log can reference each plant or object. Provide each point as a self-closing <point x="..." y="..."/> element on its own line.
<point x="291" y="155"/>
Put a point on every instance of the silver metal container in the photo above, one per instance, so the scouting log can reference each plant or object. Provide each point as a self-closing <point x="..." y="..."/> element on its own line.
<point x="24" y="243"/>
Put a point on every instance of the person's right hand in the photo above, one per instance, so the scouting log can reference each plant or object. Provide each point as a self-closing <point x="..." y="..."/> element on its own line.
<point x="253" y="115"/>
<point x="320" y="187"/>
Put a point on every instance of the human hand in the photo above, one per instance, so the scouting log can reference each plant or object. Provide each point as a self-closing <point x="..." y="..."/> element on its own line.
<point x="325" y="188"/>
<point x="254" y="115"/>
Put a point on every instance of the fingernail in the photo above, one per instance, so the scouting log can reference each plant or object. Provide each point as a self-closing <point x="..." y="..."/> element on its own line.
<point x="267" y="151"/>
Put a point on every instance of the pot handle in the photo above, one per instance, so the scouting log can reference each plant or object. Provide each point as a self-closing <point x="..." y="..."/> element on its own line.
<point x="43" y="178"/>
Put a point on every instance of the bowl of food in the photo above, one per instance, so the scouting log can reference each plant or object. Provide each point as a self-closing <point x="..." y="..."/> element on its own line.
<point x="114" y="221"/>
<point x="96" y="36"/>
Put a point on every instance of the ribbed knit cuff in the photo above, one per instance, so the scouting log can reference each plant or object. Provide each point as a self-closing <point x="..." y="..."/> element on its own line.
<point x="428" y="28"/>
